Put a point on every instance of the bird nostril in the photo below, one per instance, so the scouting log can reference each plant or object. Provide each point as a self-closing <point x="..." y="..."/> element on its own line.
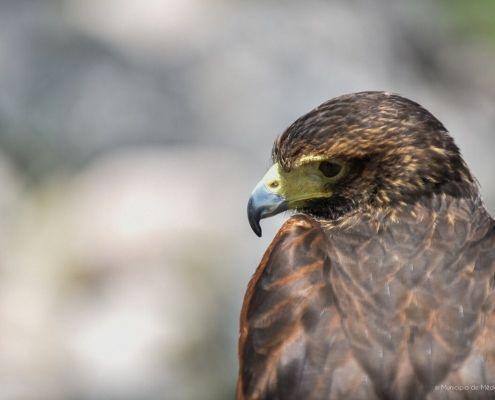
<point x="273" y="184"/>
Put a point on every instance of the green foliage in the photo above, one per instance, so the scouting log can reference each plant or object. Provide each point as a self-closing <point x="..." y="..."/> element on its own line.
<point x="474" y="19"/>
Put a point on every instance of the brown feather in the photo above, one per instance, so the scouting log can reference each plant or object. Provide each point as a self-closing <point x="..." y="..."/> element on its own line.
<point x="292" y="345"/>
<point x="372" y="311"/>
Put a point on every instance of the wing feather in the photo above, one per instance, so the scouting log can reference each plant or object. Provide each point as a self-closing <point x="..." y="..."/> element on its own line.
<point x="291" y="344"/>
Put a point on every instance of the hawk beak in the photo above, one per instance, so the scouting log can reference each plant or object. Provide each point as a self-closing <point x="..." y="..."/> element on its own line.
<point x="263" y="204"/>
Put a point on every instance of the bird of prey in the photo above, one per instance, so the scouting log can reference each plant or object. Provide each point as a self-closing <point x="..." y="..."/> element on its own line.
<point x="381" y="285"/>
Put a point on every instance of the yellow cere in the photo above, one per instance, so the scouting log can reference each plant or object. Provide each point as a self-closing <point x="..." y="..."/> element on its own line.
<point x="305" y="181"/>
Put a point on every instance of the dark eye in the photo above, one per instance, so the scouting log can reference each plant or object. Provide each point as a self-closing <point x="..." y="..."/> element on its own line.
<point x="330" y="169"/>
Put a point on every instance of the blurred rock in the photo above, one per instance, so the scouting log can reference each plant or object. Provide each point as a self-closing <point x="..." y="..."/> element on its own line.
<point x="123" y="275"/>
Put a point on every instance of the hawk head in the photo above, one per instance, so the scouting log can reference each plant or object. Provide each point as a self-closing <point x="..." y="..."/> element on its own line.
<point x="368" y="150"/>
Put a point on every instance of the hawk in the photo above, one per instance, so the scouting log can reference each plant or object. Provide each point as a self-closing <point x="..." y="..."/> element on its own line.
<point x="381" y="286"/>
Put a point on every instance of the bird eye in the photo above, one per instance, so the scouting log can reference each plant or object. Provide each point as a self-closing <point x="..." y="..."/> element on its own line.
<point x="330" y="169"/>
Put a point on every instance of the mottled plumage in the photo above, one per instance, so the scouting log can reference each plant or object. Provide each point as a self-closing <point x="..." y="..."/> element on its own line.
<point x="385" y="289"/>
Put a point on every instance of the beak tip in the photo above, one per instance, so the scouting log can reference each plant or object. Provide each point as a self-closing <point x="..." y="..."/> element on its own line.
<point x="254" y="218"/>
<point x="258" y="231"/>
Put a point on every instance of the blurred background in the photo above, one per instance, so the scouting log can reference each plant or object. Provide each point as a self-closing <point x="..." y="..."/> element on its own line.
<point x="131" y="134"/>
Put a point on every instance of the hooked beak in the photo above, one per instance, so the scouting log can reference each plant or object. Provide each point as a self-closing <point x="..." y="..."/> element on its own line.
<point x="263" y="204"/>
